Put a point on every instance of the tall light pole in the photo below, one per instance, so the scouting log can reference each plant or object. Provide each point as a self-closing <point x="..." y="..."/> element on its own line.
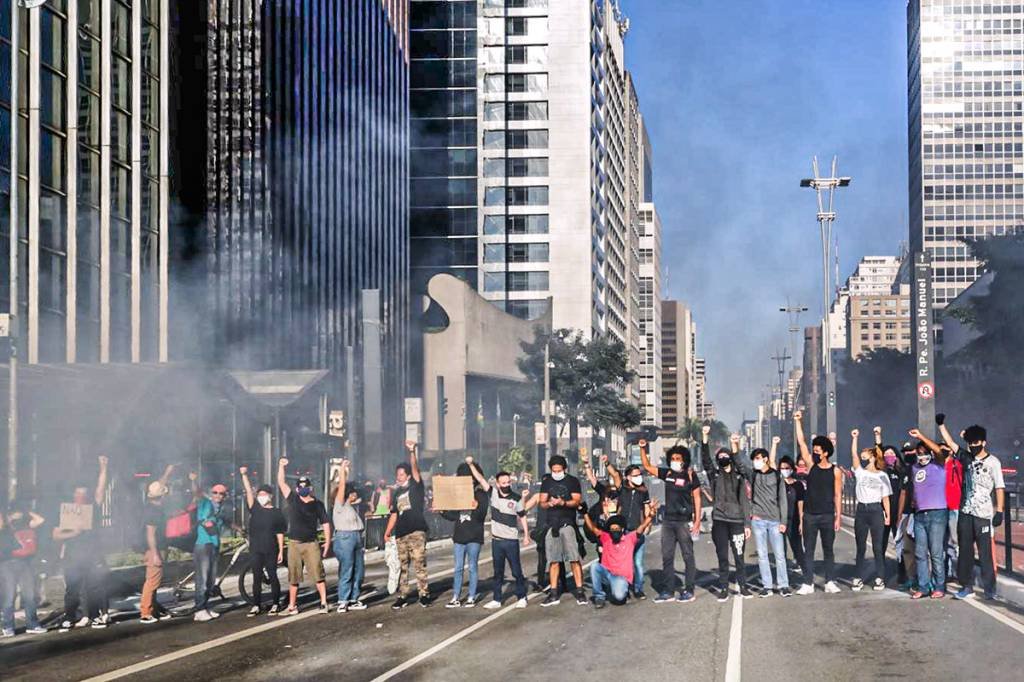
<point x="793" y="311"/>
<point x="826" y="216"/>
<point x="547" y="406"/>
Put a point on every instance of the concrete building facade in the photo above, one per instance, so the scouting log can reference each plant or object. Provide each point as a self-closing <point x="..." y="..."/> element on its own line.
<point x="678" y="366"/>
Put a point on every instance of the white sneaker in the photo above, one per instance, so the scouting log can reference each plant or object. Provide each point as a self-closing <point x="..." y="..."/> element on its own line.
<point x="521" y="604"/>
<point x="453" y="604"/>
<point x="81" y="622"/>
<point x="202" y="616"/>
<point x="356" y="606"/>
<point x="858" y="584"/>
<point x="254" y="611"/>
<point x="805" y="589"/>
<point x="342" y="607"/>
<point x="36" y="631"/>
<point x="7" y="633"/>
<point x="213" y="614"/>
<point x="832" y="588"/>
<point x="493" y="604"/>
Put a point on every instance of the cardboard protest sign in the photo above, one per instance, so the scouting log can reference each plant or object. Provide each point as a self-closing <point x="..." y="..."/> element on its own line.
<point x="75" y="516"/>
<point x="452" y="493"/>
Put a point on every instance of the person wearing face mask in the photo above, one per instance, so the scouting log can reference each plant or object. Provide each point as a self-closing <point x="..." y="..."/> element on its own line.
<point x="409" y="526"/>
<point x="508" y="516"/>
<point x="872" y="513"/>
<point x="769" y="507"/>
<point x="305" y="515"/>
<point x="615" y="569"/>
<point x="822" y="506"/>
<point x="926" y="491"/>
<point x="794" y="500"/>
<point x="983" y="480"/>
<point x="18" y="547"/>
<point x="681" y="526"/>
<point x="348" y="540"/>
<point x="954" y="498"/>
<point x="634" y="499"/>
<point x="894" y="470"/>
<point x="267" y="526"/>
<point x="561" y="495"/>
<point x="467" y="538"/>
<point x="730" y="517"/>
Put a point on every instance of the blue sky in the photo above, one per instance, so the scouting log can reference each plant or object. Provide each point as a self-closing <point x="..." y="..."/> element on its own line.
<point x="738" y="96"/>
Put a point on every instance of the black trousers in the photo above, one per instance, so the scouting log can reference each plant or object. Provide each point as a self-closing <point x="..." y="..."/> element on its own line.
<point x="260" y="562"/>
<point x="796" y="541"/>
<point x="823" y="524"/>
<point x="975" y="534"/>
<point x="870" y="520"/>
<point x="728" y="535"/>
<point x="85" y="579"/>
<point x="675" y="533"/>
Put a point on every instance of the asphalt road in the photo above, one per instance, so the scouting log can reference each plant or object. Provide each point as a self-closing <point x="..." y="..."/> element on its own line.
<point x="849" y="636"/>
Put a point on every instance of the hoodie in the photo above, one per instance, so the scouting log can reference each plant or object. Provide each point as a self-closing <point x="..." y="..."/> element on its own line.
<point x="728" y="490"/>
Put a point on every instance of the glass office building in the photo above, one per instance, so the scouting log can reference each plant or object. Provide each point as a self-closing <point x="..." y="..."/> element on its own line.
<point x="92" y="211"/>
<point x="965" y="59"/>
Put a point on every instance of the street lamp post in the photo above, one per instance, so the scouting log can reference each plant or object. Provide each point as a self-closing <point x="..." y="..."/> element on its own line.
<point x="826" y="216"/>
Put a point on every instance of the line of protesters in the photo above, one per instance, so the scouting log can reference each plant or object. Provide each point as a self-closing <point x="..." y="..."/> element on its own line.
<point x="939" y="503"/>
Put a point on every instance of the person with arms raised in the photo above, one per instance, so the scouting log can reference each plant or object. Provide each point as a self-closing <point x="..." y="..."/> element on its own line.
<point x="769" y="510"/>
<point x="872" y="515"/>
<point x="615" y="569"/>
<point x="730" y="515"/>
<point x="926" y="492"/>
<point x="305" y="515"/>
<point x="349" y="543"/>
<point x="822" y="505"/>
<point x="267" y="527"/>
<point x="408" y="525"/>
<point x="561" y="495"/>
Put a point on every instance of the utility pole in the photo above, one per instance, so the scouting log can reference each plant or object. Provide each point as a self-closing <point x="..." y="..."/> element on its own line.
<point x="793" y="311"/>
<point x="826" y="216"/>
<point x="547" y="405"/>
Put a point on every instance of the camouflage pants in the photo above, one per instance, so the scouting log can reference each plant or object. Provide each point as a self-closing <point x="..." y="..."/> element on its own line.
<point x="412" y="553"/>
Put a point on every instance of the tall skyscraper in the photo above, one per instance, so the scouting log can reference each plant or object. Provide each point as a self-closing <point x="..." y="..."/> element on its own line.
<point x="966" y="134"/>
<point x="679" y="392"/>
<point x="92" y="209"/>
<point x="650" y="381"/>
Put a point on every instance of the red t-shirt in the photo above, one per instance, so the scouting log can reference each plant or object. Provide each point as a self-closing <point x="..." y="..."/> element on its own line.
<point x="954" y="483"/>
<point x="618" y="558"/>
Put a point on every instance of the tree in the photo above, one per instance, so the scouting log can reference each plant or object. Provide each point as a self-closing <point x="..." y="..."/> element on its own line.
<point x="588" y="379"/>
<point x="514" y="460"/>
<point x="692" y="429"/>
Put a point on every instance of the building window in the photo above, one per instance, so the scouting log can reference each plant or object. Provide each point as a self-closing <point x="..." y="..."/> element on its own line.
<point x="517" y="281"/>
<point x="517" y="253"/>
<point x="517" y="196"/>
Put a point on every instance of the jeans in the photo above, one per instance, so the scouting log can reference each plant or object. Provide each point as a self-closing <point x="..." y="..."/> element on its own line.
<point x="870" y="519"/>
<point x="205" y="560"/>
<point x="815" y="524"/>
<point x="729" y="535"/>
<point x="348" y="547"/>
<point x="466" y="551"/>
<point x="952" y="544"/>
<point x="502" y="551"/>
<point x="599" y="576"/>
<point x="638" y="564"/>
<point x="765" y="532"/>
<point x="14" y="574"/>
<point x="85" y="580"/>
<point x="260" y="562"/>
<point x="676" y="533"/>
<point x="974" y="532"/>
<point x="930" y="545"/>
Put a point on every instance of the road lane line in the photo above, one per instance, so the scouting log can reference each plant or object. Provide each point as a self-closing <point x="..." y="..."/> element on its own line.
<point x="733" y="662"/>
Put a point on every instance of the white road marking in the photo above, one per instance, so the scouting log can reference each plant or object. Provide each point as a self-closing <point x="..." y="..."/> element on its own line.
<point x="733" y="662"/>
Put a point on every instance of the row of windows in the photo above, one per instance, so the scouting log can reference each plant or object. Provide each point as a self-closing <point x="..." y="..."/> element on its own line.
<point x="967" y="232"/>
<point x="960" y="88"/>
<point x="442" y="162"/>
<point x="878" y="325"/>
<point x="448" y="14"/>
<point x="534" y="195"/>
<point x="537" y="252"/>
<point x="516" y="139"/>
<point x="973" y="191"/>
<point x="517" y="281"/>
<point x="442" y="44"/>
<point x="971" y="169"/>
<point x="516" y="167"/>
<point x="963" y="212"/>
<point x="444" y="132"/>
<point x="497" y="83"/>
<point x="439" y="73"/>
<point x="972" y="150"/>
<point x="516" y="111"/>
<point x="516" y="224"/>
<point x="443" y="103"/>
<point x="527" y="309"/>
<point x="442" y="222"/>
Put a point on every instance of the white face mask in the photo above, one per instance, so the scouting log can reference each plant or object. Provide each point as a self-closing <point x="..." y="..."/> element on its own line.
<point x="636" y="480"/>
<point x="263" y="500"/>
<point x="760" y="464"/>
<point x="676" y="466"/>
<point x="786" y="473"/>
<point x="558" y="476"/>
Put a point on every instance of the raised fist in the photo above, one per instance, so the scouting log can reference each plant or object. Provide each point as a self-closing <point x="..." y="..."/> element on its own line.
<point x="776" y="440"/>
<point x="410" y="445"/>
<point x="798" y="415"/>
<point x="706" y="429"/>
<point x="283" y="462"/>
<point x="193" y="476"/>
<point x="243" y="470"/>
<point x="855" y="433"/>
<point x="915" y="433"/>
<point x="469" y="459"/>
<point x="877" y="430"/>
<point x="103" y="460"/>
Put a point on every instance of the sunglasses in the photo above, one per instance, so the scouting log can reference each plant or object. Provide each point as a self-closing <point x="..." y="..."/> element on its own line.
<point x="217" y="492"/>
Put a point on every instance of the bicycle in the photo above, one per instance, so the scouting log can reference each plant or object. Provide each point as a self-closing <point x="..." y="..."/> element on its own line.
<point x="244" y="579"/>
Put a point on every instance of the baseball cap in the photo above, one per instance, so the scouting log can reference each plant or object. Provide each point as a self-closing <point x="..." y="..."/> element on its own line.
<point x="156" y="489"/>
<point x="304" y="480"/>
<point x="265" y="489"/>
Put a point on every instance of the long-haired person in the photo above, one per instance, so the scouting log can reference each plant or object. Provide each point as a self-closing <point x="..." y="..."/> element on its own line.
<point x="873" y="513"/>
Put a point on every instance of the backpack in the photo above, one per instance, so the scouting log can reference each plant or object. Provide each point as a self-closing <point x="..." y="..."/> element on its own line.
<point x="778" y="482"/>
<point x="27" y="543"/>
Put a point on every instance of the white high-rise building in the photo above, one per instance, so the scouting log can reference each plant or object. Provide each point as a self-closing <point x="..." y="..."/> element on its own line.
<point x="650" y="372"/>
<point x="874" y="276"/>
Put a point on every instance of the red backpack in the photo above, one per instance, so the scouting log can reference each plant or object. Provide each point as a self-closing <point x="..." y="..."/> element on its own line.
<point x="29" y="545"/>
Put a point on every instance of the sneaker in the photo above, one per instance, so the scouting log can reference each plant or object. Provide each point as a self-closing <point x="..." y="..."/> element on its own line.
<point x="202" y="616"/>
<point x="80" y="623"/>
<point x="745" y="592"/>
<point x="453" y="604"/>
<point x="764" y="593"/>
<point x="832" y="588"/>
<point x="664" y="598"/>
<point x="356" y="606"/>
<point x="424" y="600"/>
<point x="7" y="633"/>
<point x="274" y="610"/>
<point x="39" y="630"/>
<point x="965" y="593"/>
<point x="581" y="598"/>
<point x="65" y="626"/>
<point x="255" y="611"/>
<point x="686" y="596"/>
<point x="145" y="620"/>
<point x="798" y="570"/>
<point x="165" y="615"/>
<point x="785" y="592"/>
<point x="857" y="585"/>
<point x="599" y="603"/>
<point x="879" y="585"/>
<point x="937" y="594"/>
<point x="216" y="614"/>
<point x="551" y="599"/>
<point x="990" y="596"/>
<point x="916" y="594"/>
<point x="639" y="595"/>
<point x="470" y="603"/>
<point x="99" y="623"/>
<point x="521" y="603"/>
<point x="342" y="607"/>
<point x="722" y="594"/>
<point x="400" y="603"/>
<point x="324" y="608"/>
<point x="493" y="604"/>
<point x="290" y="611"/>
<point x="805" y="589"/>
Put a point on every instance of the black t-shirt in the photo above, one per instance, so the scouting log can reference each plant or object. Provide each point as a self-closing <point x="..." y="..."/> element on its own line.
<point x="631" y="505"/>
<point x="84" y="544"/>
<point x="679" y="487"/>
<point x="408" y="503"/>
<point x="469" y="523"/>
<point x="264" y="526"/>
<point x="154" y="515"/>
<point x="304" y="518"/>
<point x="561" y="490"/>
<point x="794" y="494"/>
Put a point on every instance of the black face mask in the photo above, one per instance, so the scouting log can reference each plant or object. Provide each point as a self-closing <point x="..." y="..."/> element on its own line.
<point x="724" y="462"/>
<point x="816" y="457"/>
<point x="975" y="449"/>
<point x="616" y="535"/>
<point x="503" y="490"/>
<point x="909" y="459"/>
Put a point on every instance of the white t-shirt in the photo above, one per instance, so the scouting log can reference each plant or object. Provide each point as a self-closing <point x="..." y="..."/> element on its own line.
<point x="982" y="476"/>
<point x="872" y="486"/>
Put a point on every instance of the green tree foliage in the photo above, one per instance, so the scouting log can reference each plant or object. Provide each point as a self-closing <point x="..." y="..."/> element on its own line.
<point x="587" y="380"/>
<point x="515" y="460"/>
